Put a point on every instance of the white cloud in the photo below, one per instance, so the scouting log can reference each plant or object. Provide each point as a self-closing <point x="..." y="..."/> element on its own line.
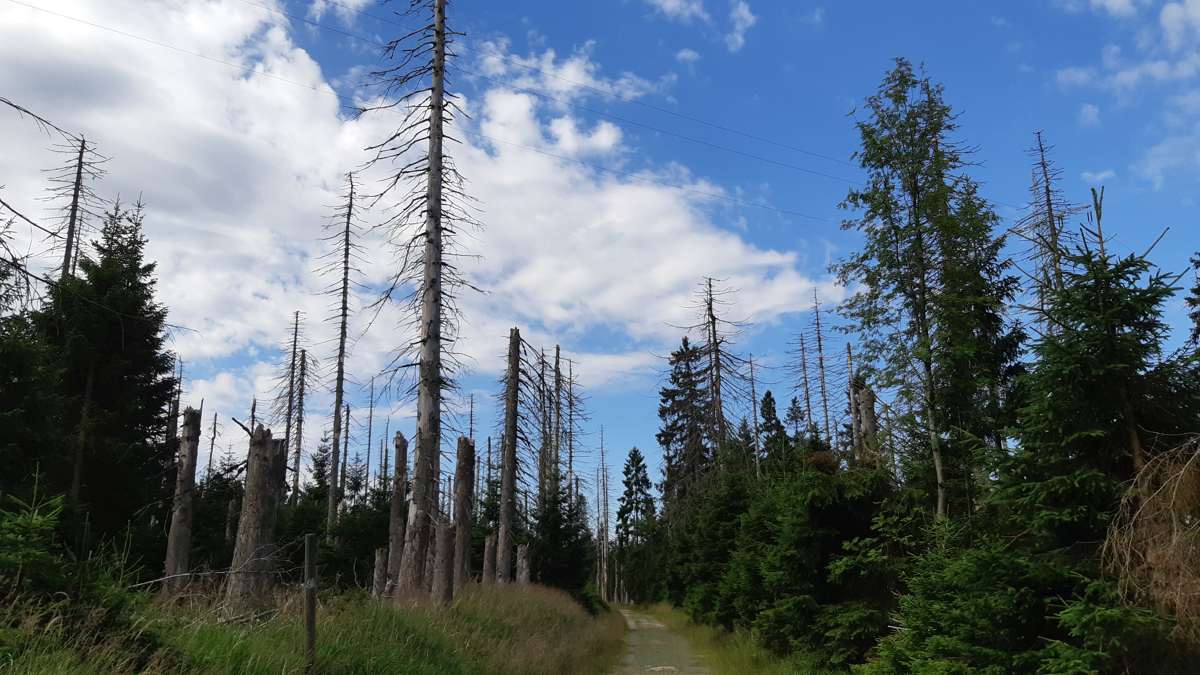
<point x="1089" y="115"/>
<point x="575" y="76"/>
<point x="687" y="56"/>
<point x="1000" y="22"/>
<point x="345" y="10"/>
<point x="1180" y="22"/>
<point x="1074" y="76"/>
<point x="742" y="20"/>
<point x="1098" y="177"/>
<point x="680" y="10"/>
<point x="239" y="168"/>
<point x="1118" y="8"/>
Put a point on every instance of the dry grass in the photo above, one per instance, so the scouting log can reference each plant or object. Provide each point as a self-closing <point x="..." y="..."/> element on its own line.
<point x="1154" y="544"/>
<point x="504" y="630"/>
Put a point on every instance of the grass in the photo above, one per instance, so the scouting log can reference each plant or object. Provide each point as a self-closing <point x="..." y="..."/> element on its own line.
<point x="501" y="630"/>
<point x="733" y="653"/>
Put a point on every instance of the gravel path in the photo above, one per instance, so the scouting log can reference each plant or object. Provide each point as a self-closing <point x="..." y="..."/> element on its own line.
<point x="651" y="648"/>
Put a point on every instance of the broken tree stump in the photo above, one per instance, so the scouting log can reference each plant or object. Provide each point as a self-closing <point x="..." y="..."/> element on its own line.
<point x="250" y="571"/>
<point x="379" y="574"/>
<point x="396" y="520"/>
<point x="179" y="538"/>
<point x="464" y="481"/>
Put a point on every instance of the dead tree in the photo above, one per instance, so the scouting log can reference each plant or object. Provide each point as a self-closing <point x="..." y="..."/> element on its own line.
<point x="423" y="227"/>
<point x="821" y="366"/>
<point x="1042" y="227"/>
<point x="464" y="480"/>
<point x="212" y="444"/>
<point x="379" y="573"/>
<point x="724" y="371"/>
<point x="855" y="422"/>
<point x="869" y="423"/>
<point x="396" y="522"/>
<point x="523" y="564"/>
<point x="339" y="262"/>
<point x="755" y="428"/>
<point x="250" y="572"/>
<point x="179" y="537"/>
<point x="292" y="378"/>
<point x="489" y="559"/>
<point x="70" y="187"/>
<point x="366" y="484"/>
<point x="508" y="459"/>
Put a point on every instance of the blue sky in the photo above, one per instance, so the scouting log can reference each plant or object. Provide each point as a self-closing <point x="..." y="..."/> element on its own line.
<point x="236" y="204"/>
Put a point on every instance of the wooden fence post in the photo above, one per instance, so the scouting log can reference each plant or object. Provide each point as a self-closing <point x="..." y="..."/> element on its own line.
<point x="310" y="600"/>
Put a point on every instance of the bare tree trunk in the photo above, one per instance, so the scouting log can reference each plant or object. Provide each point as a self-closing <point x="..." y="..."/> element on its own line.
<point x="443" y="566"/>
<point x="855" y="423"/>
<point x="489" y="559"/>
<point x="714" y="365"/>
<point x="366" y="485"/>
<point x="212" y="446"/>
<point x="379" y="573"/>
<point x="301" y="385"/>
<point x="523" y="564"/>
<point x="73" y="216"/>
<point x="396" y="520"/>
<point x="869" y="426"/>
<point x="287" y="418"/>
<point x="821" y="367"/>
<point x="757" y="446"/>
<point x="341" y="491"/>
<point x="179" y="537"/>
<point x="464" y="479"/>
<point x="808" y="415"/>
<point x="508" y="461"/>
<point x="250" y="572"/>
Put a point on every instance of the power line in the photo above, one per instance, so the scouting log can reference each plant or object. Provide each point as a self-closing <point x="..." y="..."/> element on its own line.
<point x="342" y="97"/>
<point x="517" y="61"/>
<point x="634" y="176"/>
<point x="570" y="104"/>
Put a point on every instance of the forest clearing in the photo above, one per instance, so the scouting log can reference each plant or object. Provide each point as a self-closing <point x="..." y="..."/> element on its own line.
<point x="968" y="441"/>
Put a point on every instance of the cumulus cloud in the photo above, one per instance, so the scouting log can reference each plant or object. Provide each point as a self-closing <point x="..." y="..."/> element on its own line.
<point x="687" y="56"/>
<point x="238" y="168"/>
<point x="741" y="20"/>
<point x="1118" y="8"/>
<point x="1098" y="177"/>
<point x="680" y="10"/>
<point x="1180" y="22"/>
<point x="346" y="10"/>
<point x="1089" y="115"/>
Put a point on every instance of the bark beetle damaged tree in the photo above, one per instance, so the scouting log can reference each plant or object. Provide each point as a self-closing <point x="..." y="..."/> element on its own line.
<point x="430" y="210"/>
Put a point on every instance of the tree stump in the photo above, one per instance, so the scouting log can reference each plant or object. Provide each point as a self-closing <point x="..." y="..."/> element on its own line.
<point x="179" y="538"/>
<point x="250" y="572"/>
<point x="523" y="564"/>
<point x="464" y="481"/>
<point x="379" y="574"/>
<point x="489" y="559"/>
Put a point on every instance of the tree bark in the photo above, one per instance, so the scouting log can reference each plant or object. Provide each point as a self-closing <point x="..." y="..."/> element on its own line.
<point x="250" y="572"/>
<point x="443" y="566"/>
<point x="523" y="564"/>
<point x="508" y="461"/>
<point x="379" y="573"/>
<point x="464" y="480"/>
<point x="179" y="537"/>
<point x="396" y="521"/>
<point x="489" y="559"/>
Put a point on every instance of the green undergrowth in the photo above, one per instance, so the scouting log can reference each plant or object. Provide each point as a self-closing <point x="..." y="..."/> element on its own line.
<point x="733" y="653"/>
<point x="494" y="630"/>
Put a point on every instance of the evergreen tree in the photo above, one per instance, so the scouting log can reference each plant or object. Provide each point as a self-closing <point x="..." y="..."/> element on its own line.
<point x="930" y="312"/>
<point x="110" y="333"/>
<point x="635" y="530"/>
<point x="682" y="411"/>
<point x="776" y="444"/>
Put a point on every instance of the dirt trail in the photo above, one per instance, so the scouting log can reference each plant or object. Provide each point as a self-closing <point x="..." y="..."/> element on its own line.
<point x="651" y="648"/>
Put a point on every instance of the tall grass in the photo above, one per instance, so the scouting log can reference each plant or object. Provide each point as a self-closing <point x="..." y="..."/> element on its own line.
<point x="501" y="630"/>
<point x="733" y="653"/>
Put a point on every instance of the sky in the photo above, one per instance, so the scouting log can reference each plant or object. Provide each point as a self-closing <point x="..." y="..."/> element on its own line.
<point x="620" y="151"/>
